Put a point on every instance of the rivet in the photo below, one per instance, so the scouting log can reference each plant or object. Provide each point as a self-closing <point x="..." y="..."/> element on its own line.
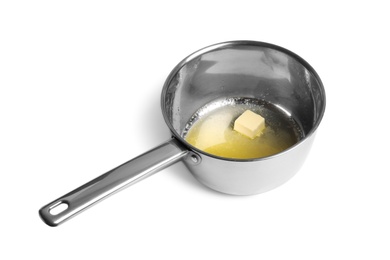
<point x="194" y="158"/>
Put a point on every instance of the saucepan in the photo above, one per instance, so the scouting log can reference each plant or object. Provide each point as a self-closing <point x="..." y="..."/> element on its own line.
<point x="228" y="73"/>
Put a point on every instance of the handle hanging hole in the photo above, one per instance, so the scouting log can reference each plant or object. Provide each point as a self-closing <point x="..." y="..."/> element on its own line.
<point x="58" y="208"/>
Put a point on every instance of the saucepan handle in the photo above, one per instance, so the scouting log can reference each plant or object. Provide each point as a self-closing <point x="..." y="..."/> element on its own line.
<point x="113" y="181"/>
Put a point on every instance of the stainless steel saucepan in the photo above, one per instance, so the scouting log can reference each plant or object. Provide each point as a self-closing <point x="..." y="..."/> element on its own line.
<point x="237" y="71"/>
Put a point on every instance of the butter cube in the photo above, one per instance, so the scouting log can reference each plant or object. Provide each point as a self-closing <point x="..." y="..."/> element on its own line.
<point x="249" y="124"/>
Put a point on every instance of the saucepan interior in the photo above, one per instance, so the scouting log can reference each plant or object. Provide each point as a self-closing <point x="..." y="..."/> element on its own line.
<point x="243" y="70"/>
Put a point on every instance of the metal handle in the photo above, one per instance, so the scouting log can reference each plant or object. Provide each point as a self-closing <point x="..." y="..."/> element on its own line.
<point x="111" y="182"/>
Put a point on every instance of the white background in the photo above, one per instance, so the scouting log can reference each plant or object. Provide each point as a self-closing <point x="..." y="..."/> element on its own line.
<point x="80" y="89"/>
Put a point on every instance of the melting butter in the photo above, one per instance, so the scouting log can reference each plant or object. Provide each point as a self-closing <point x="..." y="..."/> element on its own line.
<point x="213" y="133"/>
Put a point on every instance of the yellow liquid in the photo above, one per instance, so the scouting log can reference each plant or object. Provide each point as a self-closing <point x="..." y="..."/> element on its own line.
<point x="213" y="133"/>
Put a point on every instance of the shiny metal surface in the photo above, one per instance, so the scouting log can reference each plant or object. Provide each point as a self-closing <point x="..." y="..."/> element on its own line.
<point x="113" y="181"/>
<point x="226" y="71"/>
<point x="253" y="70"/>
<point x="252" y="176"/>
<point x="243" y="69"/>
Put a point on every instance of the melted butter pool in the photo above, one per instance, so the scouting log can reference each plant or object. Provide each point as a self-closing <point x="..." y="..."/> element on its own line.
<point x="211" y="130"/>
